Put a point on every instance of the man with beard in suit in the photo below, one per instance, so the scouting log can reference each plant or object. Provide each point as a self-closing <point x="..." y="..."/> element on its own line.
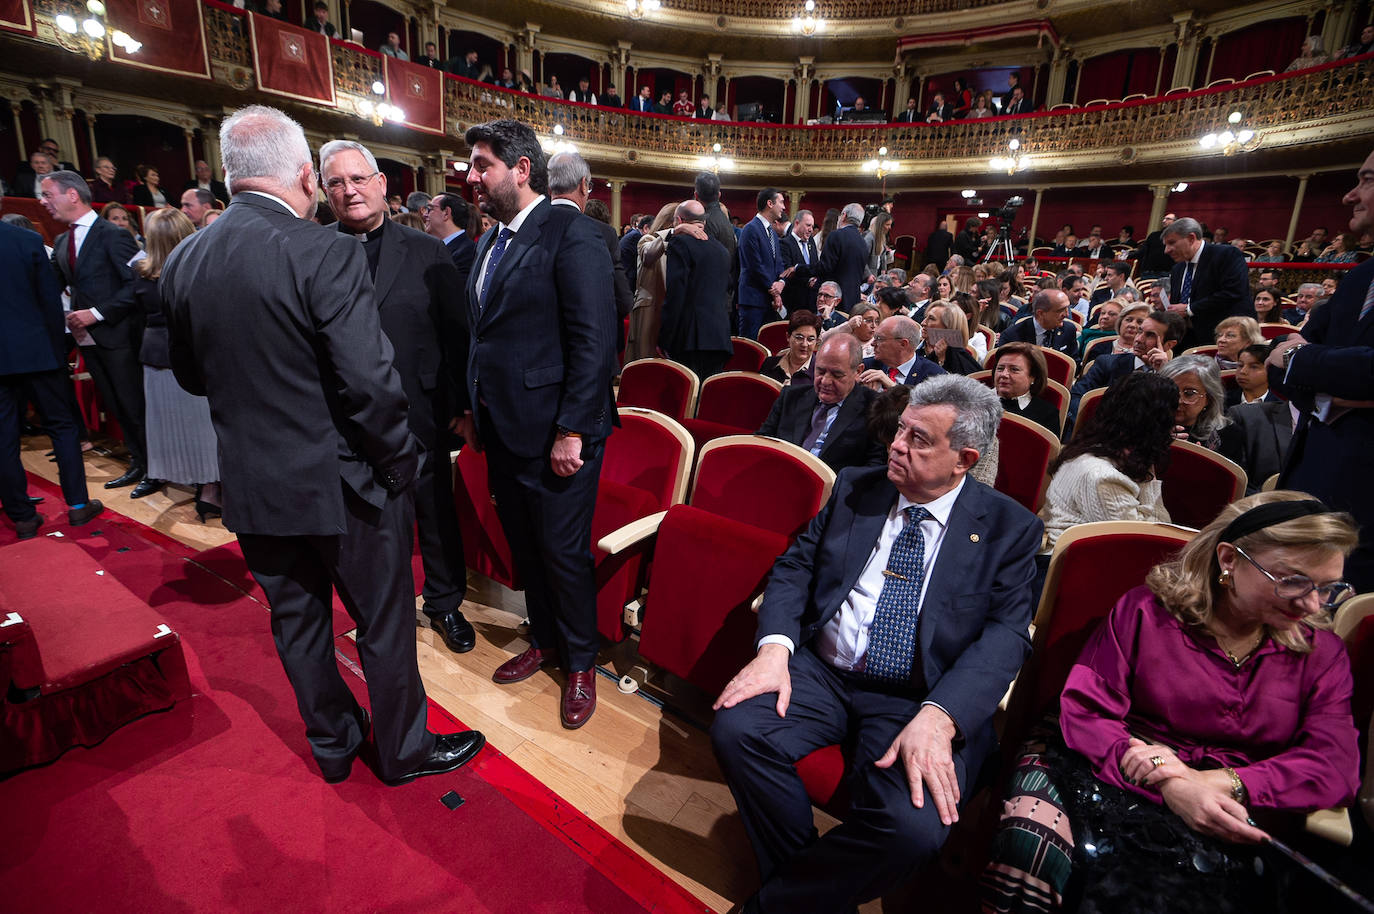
<point x="92" y="258"/>
<point x="446" y="218"/>
<point x="272" y="318"/>
<point x="760" y="264"/>
<point x="830" y="419"/>
<point x="420" y="305"/>
<point x="696" y="311"/>
<point x="1210" y="282"/>
<point x="799" y="251"/>
<point x="539" y="397"/>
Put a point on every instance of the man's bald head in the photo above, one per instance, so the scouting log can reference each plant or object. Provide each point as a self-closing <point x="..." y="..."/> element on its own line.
<point x="690" y="211"/>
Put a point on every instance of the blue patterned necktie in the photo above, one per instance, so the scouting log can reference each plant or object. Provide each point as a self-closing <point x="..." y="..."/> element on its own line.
<point x="1187" y="290"/>
<point x="892" y="639"/>
<point x="1368" y="301"/>
<point x="497" y="250"/>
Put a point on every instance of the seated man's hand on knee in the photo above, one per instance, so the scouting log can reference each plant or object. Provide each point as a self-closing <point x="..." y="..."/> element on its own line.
<point x="767" y="672"/>
<point x="925" y="747"/>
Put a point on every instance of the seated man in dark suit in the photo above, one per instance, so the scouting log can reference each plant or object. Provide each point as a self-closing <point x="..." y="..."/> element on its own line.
<point x="854" y="647"/>
<point x="830" y="419"/>
<point x="1048" y="325"/>
<point x="1209" y="282"/>
<point x="895" y="358"/>
<point x="1154" y="346"/>
<point x="1257" y="438"/>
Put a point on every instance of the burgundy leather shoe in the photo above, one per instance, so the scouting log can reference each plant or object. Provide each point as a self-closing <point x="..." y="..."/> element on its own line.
<point x="579" y="698"/>
<point x="522" y="666"/>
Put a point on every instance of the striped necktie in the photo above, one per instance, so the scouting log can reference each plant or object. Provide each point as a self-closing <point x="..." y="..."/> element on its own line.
<point x="1368" y="301"/>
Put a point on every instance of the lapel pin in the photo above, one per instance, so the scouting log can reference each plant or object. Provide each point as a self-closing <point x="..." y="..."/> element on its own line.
<point x="973" y="537"/>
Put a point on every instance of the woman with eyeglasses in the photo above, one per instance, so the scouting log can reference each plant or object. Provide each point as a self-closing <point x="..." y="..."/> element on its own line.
<point x="1201" y="399"/>
<point x="792" y="366"/>
<point x="1209" y="710"/>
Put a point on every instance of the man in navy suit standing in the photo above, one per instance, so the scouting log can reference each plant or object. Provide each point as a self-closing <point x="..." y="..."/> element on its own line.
<point x="446" y="218"/>
<point x="897" y="619"/>
<point x="33" y="365"/>
<point x="1209" y="282"/>
<point x="538" y="395"/>
<point x="1327" y="372"/>
<point x="761" y="271"/>
<point x="844" y="258"/>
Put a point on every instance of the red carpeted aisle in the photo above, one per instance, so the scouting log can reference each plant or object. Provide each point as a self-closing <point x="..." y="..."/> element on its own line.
<point x="216" y="805"/>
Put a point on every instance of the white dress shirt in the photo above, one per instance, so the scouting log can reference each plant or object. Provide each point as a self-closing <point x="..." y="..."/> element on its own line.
<point x="514" y="227"/>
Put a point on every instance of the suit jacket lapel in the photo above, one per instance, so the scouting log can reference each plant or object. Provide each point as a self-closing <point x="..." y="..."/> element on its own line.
<point x="965" y="523"/>
<point x="389" y="261"/>
<point x="869" y="516"/>
<point x="849" y="409"/>
<point x="516" y="249"/>
<point x="801" y="419"/>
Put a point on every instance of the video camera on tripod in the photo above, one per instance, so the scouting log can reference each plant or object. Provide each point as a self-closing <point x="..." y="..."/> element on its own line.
<point x="1002" y="248"/>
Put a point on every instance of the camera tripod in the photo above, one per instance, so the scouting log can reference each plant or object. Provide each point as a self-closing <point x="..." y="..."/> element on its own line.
<point x="1001" y="246"/>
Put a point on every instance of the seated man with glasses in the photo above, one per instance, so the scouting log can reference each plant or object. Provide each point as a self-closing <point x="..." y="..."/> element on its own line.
<point x="895" y="359"/>
<point x="1208" y="712"/>
<point x="827" y="303"/>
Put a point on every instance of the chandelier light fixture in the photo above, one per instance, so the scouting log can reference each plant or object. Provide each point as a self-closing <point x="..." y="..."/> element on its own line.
<point x="716" y="161"/>
<point x="380" y="112"/>
<point x="808" y="23"/>
<point x="1015" y="160"/>
<point x="1233" y="137"/>
<point x="88" y="35"/>
<point x="882" y="166"/>
<point x="639" y="8"/>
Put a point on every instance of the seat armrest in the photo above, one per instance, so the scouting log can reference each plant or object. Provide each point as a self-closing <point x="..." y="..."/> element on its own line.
<point x="1331" y="824"/>
<point x="632" y="534"/>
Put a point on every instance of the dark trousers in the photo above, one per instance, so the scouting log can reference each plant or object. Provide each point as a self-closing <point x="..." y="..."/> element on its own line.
<point x="704" y="363"/>
<point x="46" y="390"/>
<point x="751" y="318"/>
<point x="369" y="564"/>
<point x="883" y="839"/>
<point x="118" y="377"/>
<point x="548" y="522"/>
<point x="441" y="541"/>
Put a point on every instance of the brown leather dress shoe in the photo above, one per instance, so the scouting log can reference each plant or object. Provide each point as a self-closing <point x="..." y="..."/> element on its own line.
<point x="522" y="666"/>
<point x="579" y="698"/>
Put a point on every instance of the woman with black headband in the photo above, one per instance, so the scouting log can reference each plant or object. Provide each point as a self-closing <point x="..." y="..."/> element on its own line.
<point x="1209" y="704"/>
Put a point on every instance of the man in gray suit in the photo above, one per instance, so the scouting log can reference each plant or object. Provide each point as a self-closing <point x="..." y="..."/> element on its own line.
<point x="272" y="317"/>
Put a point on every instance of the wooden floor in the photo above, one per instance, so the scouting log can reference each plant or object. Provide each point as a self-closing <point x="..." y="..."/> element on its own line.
<point x="645" y="775"/>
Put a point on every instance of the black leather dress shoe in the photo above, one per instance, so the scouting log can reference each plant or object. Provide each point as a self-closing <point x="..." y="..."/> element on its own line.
<point x="78" y="516"/>
<point x="28" y="529"/>
<point x="146" y="487"/>
<point x="344" y="767"/>
<point x="128" y="479"/>
<point x="451" y="752"/>
<point x="456" y="631"/>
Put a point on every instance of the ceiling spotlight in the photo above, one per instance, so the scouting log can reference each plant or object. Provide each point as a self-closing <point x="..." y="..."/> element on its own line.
<point x="557" y="129"/>
<point x="378" y="87"/>
<point x="1180" y="187"/>
<point x="66" y="23"/>
<point x="968" y="194"/>
<point x="94" y="28"/>
<point x="96" y="7"/>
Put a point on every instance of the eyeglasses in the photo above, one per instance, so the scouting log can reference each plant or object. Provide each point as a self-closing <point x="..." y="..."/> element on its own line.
<point x="1297" y="586"/>
<point x="358" y="181"/>
<point x="802" y="338"/>
<point x="1191" y="394"/>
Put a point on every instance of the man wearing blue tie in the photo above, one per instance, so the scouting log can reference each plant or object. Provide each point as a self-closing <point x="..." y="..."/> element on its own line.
<point x="1211" y="282"/>
<point x="893" y="624"/>
<point x="761" y="271"/>
<point x="643" y="102"/>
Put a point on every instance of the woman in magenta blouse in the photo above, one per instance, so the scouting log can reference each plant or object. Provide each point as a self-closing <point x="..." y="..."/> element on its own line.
<point x="1210" y="705"/>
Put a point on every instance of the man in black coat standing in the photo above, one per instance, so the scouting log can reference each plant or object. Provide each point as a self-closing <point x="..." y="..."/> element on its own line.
<point x="939" y="246"/>
<point x="446" y="218"/>
<point x="33" y="365"/>
<point x="696" y="309"/>
<point x="92" y="259"/>
<point x="273" y="318"/>
<point x="1209" y="282"/>
<point x="1151" y="257"/>
<point x="799" y="250"/>
<point x="420" y="304"/>
<point x="570" y="184"/>
<point x="539" y="396"/>
<point x="845" y="257"/>
<point x="628" y="249"/>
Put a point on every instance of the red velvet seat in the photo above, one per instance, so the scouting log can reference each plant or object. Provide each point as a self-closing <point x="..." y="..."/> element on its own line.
<point x="748" y="355"/>
<point x="773" y="336"/>
<point x="1059" y="367"/>
<point x="1100" y="346"/>
<point x="1271" y="331"/>
<point x="644" y="471"/>
<point x="485" y="549"/>
<point x="1026" y="450"/>
<point x="731" y="403"/>
<point x="661" y="385"/>
<point x="711" y="558"/>
<point x="1087" y="405"/>
<point x="80" y="654"/>
<point x="1198" y="484"/>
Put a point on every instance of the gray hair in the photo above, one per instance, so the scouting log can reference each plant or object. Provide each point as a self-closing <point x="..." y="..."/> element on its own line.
<point x="897" y="275"/>
<point x="906" y="329"/>
<point x="862" y="308"/>
<point x="803" y="212"/>
<point x="852" y="214"/>
<point x="977" y="411"/>
<point x="103" y="159"/>
<point x="70" y="180"/>
<point x="567" y="171"/>
<point x="835" y="288"/>
<point x="853" y="348"/>
<point x="1314" y="287"/>
<point x="334" y="147"/>
<point x="1212" y="419"/>
<point x="957" y="258"/>
<point x="1182" y="226"/>
<point x="261" y="142"/>
<point x="417" y="200"/>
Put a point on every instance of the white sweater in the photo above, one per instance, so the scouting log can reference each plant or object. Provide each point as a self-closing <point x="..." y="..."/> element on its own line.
<point x="1090" y="488"/>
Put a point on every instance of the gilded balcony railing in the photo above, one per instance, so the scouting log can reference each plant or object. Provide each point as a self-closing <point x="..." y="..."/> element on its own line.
<point x="784" y="10"/>
<point x="226" y="37"/>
